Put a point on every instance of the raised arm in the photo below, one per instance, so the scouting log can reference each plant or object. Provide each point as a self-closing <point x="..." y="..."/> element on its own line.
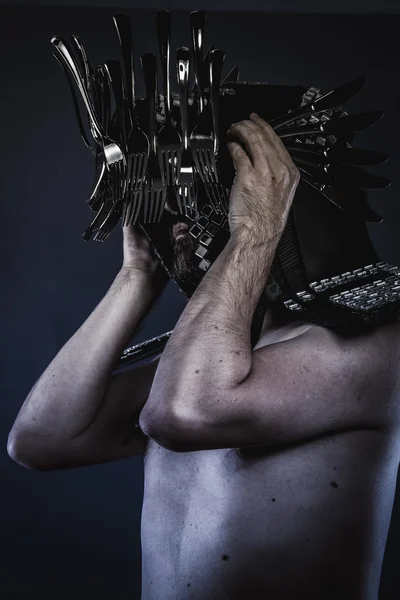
<point x="78" y="398"/>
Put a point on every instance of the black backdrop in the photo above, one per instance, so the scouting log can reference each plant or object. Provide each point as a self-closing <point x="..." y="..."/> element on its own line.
<point x="76" y="533"/>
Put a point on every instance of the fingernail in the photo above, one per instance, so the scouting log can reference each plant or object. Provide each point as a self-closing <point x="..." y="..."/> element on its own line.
<point x="253" y="114"/>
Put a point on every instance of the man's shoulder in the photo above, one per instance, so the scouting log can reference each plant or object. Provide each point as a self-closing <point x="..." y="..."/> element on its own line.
<point x="375" y="360"/>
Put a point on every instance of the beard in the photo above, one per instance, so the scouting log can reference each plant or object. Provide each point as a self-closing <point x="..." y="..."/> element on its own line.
<point x="183" y="256"/>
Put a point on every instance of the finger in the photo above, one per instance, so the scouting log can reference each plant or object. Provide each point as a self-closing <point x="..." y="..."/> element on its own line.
<point x="273" y="137"/>
<point x="239" y="156"/>
<point x="253" y="140"/>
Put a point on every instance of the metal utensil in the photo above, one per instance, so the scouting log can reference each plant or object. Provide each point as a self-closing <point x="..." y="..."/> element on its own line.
<point x="155" y="190"/>
<point x="114" y="75"/>
<point x="76" y="106"/>
<point x="138" y="146"/>
<point x="340" y="125"/>
<point x="217" y="58"/>
<point x="350" y="156"/>
<point x="123" y="27"/>
<point x="352" y="201"/>
<point x="330" y="100"/>
<point x="197" y="25"/>
<point x="357" y="156"/>
<point x="202" y="139"/>
<point x="169" y="142"/>
<point x="119" y="187"/>
<point x="336" y="173"/>
<point x="112" y="152"/>
<point x="90" y="82"/>
<point x="232" y="77"/>
<point x="185" y="192"/>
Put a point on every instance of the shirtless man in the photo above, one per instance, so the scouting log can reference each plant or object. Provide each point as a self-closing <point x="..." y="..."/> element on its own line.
<point x="269" y="474"/>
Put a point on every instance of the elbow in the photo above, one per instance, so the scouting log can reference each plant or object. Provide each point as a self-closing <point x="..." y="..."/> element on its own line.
<point x="18" y="451"/>
<point x="165" y="431"/>
<point x="155" y="429"/>
<point x="170" y="432"/>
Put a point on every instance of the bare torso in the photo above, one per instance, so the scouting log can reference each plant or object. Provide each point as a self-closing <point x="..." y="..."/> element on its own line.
<point x="306" y="520"/>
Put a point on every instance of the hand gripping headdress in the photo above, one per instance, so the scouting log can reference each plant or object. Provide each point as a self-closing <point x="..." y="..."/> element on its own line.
<point x="172" y="145"/>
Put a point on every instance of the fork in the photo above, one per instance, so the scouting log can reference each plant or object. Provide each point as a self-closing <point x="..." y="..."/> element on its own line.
<point x="203" y="140"/>
<point x="155" y="190"/>
<point x="91" y="82"/>
<point x="110" y="200"/>
<point x="185" y="185"/>
<point x="114" y="162"/>
<point x="113" y="69"/>
<point x="138" y="146"/>
<point x="169" y="142"/>
<point x="112" y="152"/>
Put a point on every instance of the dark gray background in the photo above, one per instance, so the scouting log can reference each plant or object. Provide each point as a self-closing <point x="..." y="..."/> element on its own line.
<point x="293" y="6"/>
<point x="76" y="534"/>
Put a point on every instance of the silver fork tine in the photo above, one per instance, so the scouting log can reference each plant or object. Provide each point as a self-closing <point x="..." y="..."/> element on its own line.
<point x="162" y="195"/>
<point x="136" y="205"/>
<point x="155" y="198"/>
<point x="146" y="191"/>
<point x="210" y="158"/>
<point x="169" y="140"/>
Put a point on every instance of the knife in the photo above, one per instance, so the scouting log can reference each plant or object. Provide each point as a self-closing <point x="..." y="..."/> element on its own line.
<point x="340" y="125"/>
<point x="197" y="24"/>
<point x="114" y="73"/>
<point x="330" y="100"/>
<point x="107" y="98"/>
<point x="65" y="53"/>
<point x="183" y="57"/>
<point x="205" y="68"/>
<point x="352" y="201"/>
<point x="88" y="79"/>
<point x="149" y="67"/>
<point x="123" y="27"/>
<point x="353" y="176"/>
<point x="217" y="58"/>
<point x="76" y="106"/>
<point x="351" y="156"/>
<point x="83" y="61"/>
<point x="232" y="77"/>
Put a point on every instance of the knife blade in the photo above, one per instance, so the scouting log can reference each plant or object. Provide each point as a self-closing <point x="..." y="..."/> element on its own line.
<point x="76" y="106"/>
<point x="163" y="25"/>
<point x="123" y="27"/>
<point x="358" y="177"/>
<point x="341" y="125"/>
<point x="217" y="58"/>
<point x="232" y="77"/>
<point x="114" y="73"/>
<point x="345" y="175"/>
<point x="351" y="156"/>
<point x="149" y="66"/>
<point x="205" y="67"/>
<point x="197" y="25"/>
<point x="68" y="59"/>
<point x="330" y="100"/>
<point x="350" y="200"/>
<point x="183" y="57"/>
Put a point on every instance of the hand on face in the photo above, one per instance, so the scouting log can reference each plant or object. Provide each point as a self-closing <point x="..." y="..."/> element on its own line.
<point x="266" y="178"/>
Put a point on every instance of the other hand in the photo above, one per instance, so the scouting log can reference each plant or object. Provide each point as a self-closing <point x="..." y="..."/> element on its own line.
<point x="266" y="178"/>
<point x="138" y="252"/>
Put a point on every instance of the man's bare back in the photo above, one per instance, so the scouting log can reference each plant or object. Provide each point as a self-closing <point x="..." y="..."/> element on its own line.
<point x="301" y="520"/>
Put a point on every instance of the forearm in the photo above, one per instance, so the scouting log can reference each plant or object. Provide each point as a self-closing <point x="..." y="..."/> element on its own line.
<point x="210" y="348"/>
<point x="68" y="395"/>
